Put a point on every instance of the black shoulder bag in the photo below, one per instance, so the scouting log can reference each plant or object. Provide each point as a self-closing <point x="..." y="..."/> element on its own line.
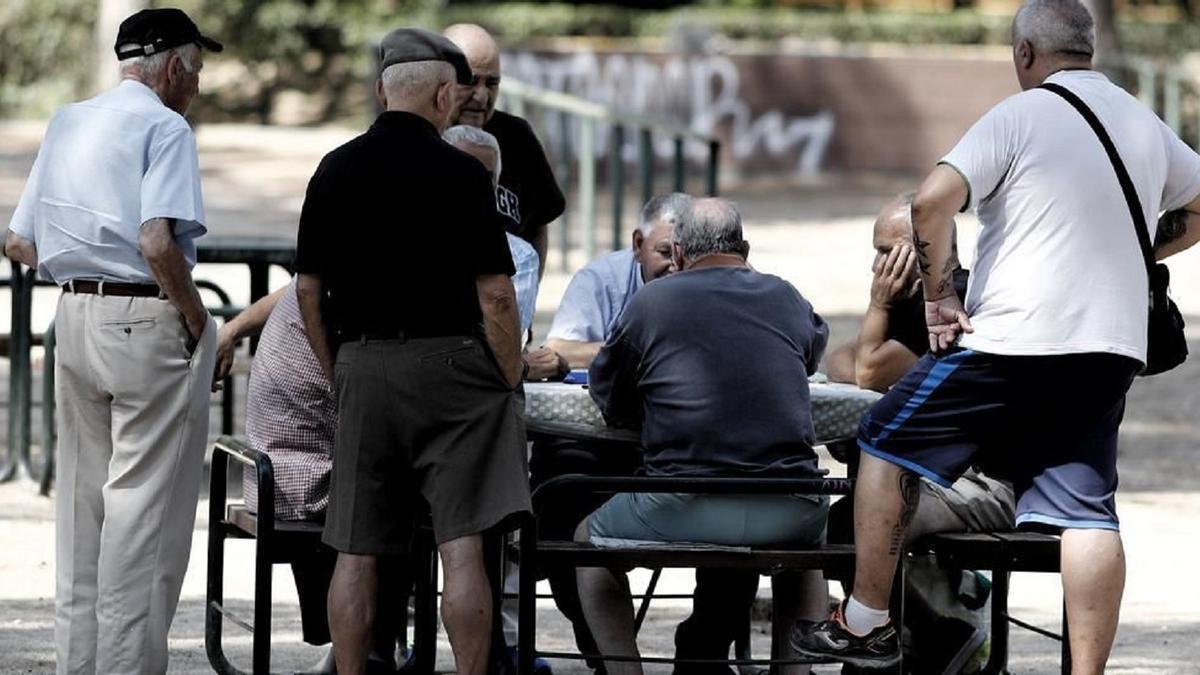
<point x="1166" y="345"/>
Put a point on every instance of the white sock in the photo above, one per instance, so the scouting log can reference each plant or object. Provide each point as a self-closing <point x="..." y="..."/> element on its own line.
<point x="861" y="619"/>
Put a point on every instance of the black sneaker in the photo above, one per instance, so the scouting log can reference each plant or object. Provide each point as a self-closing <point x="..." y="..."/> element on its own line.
<point x="830" y="639"/>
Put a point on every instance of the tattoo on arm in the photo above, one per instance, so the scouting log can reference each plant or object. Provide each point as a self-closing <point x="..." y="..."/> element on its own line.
<point x="922" y="254"/>
<point x="910" y="496"/>
<point x="947" y="279"/>
<point x="1171" y="226"/>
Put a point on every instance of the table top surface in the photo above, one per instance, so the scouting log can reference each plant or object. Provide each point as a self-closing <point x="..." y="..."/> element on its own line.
<point x="567" y="410"/>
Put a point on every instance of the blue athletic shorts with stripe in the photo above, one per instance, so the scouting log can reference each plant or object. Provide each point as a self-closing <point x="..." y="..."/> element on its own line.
<point x="1047" y="423"/>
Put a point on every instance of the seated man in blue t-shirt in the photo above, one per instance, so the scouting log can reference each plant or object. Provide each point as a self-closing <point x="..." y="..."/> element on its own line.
<point x="714" y="362"/>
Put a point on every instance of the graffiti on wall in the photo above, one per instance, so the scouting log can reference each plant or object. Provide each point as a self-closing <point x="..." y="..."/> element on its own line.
<point x="700" y="92"/>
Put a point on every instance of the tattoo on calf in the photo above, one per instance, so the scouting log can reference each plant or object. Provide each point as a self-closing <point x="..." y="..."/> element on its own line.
<point x="910" y="496"/>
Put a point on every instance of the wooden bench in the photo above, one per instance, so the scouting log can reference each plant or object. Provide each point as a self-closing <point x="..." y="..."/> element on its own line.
<point x="278" y="542"/>
<point x="1001" y="553"/>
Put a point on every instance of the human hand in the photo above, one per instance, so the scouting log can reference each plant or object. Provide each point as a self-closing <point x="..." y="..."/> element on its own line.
<point x="893" y="275"/>
<point x="227" y="341"/>
<point x="946" y="319"/>
<point x="545" y="363"/>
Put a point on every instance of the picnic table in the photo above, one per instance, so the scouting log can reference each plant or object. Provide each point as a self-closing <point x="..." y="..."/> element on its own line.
<point x="568" y="411"/>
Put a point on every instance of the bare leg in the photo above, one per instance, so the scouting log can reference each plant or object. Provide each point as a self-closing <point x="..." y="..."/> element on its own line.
<point x="467" y="603"/>
<point x="352" y="594"/>
<point x="1093" y="578"/>
<point x="797" y="595"/>
<point x="609" y="612"/>
<point x="885" y="500"/>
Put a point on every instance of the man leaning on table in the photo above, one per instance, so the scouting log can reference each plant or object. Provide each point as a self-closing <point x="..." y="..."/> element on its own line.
<point x="428" y="393"/>
<point x="110" y="212"/>
<point x="714" y="362"/>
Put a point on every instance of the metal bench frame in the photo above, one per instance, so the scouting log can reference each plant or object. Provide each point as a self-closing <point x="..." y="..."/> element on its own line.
<point x="1001" y="552"/>
<point x="279" y="542"/>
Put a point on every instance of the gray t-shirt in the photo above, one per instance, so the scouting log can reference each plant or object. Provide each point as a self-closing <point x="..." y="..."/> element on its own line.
<point x="714" y="364"/>
<point x="596" y="296"/>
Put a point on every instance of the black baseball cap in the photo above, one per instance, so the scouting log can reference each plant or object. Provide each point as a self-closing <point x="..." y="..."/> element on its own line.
<point x="151" y="31"/>
<point x="406" y="45"/>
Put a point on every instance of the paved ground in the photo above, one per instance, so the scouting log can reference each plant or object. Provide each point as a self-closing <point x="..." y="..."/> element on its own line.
<point x="814" y="233"/>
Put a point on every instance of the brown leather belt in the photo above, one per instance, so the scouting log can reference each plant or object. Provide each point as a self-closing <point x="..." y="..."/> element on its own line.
<point x="113" y="288"/>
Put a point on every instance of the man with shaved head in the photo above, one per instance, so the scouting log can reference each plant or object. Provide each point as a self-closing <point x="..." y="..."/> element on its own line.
<point x="1029" y="375"/>
<point x="891" y="338"/>
<point x="528" y="195"/>
<point x="425" y="390"/>
<point x="713" y="342"/>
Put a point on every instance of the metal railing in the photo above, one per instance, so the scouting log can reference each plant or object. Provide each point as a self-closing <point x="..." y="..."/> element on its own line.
<point x="587" y="133"/>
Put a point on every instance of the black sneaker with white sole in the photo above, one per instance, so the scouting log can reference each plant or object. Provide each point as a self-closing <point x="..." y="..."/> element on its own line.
<point x="830" y="639"/>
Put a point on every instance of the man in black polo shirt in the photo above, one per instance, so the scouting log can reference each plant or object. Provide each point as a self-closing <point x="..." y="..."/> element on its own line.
<point x="528" y="195"/>
<point x="426" y="388"/>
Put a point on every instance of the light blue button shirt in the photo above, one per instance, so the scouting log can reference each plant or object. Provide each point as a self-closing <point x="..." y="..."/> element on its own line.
<point x="525" y="281"/>
<point x="107" y="165"/>
<point x="596" y="296"/>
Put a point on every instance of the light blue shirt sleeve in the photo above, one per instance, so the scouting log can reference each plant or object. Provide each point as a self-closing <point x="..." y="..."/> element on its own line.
<point x="171" y="183"/>
<point x="585" y="313"/>
<point x="23" y="219"/>
<point x="525" y="281"/>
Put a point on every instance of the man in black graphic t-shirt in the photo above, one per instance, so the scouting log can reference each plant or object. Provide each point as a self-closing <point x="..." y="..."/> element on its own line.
<point x="528" y="195"/>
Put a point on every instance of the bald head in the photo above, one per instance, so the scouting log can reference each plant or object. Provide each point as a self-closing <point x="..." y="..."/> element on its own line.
<point x="893" y="225"/>
<point x="483" y="54"/>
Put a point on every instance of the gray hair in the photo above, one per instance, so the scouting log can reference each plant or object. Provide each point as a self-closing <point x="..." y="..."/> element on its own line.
<point x="148" y="68"/>
<point x="709" y="227"/>
<point x="414" y="79"/>
<point x="1056" y="27"/>
<point x="669" y="208"/>
<point x="465" y="134"/>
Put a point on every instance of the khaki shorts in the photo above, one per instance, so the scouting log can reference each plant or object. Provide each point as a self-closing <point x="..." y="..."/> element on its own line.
<point x="431" y="418"/>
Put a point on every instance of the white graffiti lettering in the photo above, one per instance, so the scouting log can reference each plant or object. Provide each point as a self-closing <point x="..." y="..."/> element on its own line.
<point x="700" y="92"/>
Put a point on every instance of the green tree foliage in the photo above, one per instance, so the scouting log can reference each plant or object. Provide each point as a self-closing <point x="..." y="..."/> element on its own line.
<point x="47" y="46"/>
<point x="309" y="58"/>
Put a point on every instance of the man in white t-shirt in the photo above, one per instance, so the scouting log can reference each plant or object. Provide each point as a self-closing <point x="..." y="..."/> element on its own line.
<point x="111" y="212"/>
<point x="1052" y="334"/>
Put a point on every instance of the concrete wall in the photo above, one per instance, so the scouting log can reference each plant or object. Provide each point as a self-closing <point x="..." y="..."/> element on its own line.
<point x="792" y="112"/>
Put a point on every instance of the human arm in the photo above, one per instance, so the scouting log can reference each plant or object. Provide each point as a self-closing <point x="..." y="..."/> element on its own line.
<point x="613" y="380"/>
<point x="308" y="296"/>
<point x="541" y="242"/>
<point x="839" y="363"/>
<point x="545" y="363"/>
<point x="878" y="360"/>
<point x="1177" y="230"/>
<point x="248" y="323"/>
<point x="156" y="241"/>
<point x="579" y="354"/>
<point x="20" y="249"/>
<point x="941" y="196"/>
<point x="501" y="323"/>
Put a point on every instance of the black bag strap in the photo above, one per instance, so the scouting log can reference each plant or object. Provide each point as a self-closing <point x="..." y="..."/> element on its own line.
<point x="1131" y="196"/>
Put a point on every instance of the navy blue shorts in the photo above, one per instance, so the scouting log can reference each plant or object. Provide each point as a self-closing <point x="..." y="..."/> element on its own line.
<point x="1047" y="423"/>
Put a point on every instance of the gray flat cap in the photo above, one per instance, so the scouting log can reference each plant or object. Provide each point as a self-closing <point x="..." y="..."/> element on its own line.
<point x="406" y="45"/>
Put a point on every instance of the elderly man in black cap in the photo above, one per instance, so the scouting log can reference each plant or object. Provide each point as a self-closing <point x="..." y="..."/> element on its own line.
<point x="111" y="212"/>
<point x="429" y="391"/>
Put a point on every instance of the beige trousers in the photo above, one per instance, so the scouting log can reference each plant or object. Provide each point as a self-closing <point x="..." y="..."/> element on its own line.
<point x="132" y="428"/>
